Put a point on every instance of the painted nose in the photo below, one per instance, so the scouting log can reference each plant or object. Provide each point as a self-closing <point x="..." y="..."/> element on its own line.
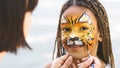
<point x="74" y="39"/>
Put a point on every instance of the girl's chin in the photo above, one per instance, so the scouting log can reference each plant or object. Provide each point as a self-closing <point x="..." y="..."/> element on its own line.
<point x="79" y="57"/>
<point x="77" y="53"/>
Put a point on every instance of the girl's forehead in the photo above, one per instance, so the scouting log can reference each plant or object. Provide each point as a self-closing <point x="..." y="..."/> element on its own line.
<point x="83" y="18"/>
<point x="77" y="11"/>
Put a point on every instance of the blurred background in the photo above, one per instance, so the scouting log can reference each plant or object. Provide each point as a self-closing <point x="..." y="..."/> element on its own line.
<point x="43" y="32"/>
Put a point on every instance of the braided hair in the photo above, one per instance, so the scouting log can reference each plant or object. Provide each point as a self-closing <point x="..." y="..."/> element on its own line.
<point x="104" y="47"/>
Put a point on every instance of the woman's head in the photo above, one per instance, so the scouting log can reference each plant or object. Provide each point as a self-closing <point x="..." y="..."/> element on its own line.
<point x="99" y="44"/>
<point x="13" y="21"/>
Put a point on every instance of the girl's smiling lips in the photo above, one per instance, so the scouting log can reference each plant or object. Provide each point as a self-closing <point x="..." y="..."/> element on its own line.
<point x="75" y="46"/>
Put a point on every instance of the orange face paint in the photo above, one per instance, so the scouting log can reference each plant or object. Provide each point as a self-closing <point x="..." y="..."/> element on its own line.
<point x="77" y="31"/>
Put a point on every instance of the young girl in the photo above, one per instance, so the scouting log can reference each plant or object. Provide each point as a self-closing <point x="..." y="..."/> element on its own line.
<point x="83" y="31"/>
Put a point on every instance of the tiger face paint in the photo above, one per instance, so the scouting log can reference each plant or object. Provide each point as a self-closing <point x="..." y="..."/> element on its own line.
<point x="77" y="31"/>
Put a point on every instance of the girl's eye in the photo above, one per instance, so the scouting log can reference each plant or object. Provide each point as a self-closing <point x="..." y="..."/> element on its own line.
<point x="83" y="28"/>
<point x="66" y="29"/>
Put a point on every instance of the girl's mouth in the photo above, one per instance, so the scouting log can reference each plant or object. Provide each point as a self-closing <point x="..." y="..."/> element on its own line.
<point x="76" y="43"/>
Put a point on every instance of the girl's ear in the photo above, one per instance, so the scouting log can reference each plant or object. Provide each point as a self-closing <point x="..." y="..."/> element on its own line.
<point x="99" y="37"/>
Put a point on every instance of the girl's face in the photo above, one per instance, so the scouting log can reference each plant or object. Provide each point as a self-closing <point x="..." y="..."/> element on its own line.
<point x="27" y="21"/>
<point x="79" y="32"/>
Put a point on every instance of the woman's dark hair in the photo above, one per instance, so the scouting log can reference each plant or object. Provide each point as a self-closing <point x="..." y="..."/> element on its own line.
<point x="104" y="48"/>
<point x="12" y="13"/>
